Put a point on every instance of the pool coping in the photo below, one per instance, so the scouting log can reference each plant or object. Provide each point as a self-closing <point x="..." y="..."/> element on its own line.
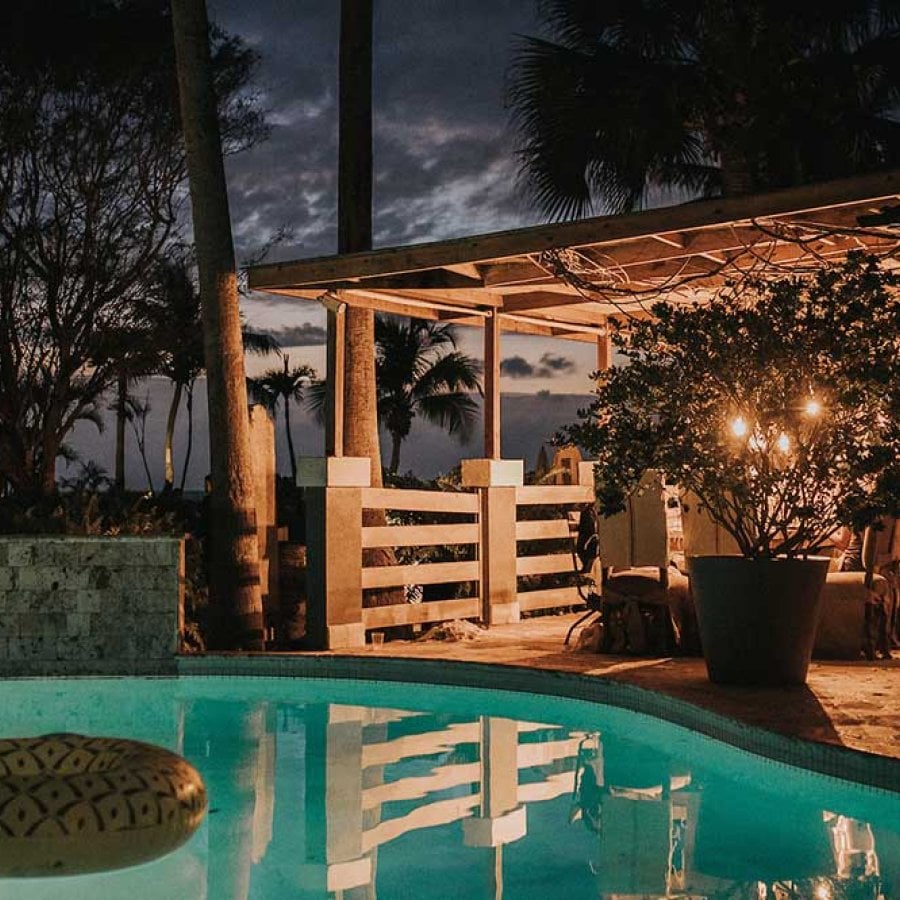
<point x="844" y="763"/>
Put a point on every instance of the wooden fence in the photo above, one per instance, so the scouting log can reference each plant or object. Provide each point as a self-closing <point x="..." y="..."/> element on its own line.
<point x="497" y="550"/>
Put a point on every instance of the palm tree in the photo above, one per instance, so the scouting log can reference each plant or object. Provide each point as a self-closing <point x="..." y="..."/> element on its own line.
<point x="703" y="98"/>
<point x="285" y="384"/>
<point x="421" y="373"/>
<point x="174" y="329"/>
<point x="355" y="228"/>
<point x="234" y="553"/>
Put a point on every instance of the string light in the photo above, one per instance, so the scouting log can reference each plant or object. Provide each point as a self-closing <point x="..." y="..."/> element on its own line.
<point x="739" y="427"/>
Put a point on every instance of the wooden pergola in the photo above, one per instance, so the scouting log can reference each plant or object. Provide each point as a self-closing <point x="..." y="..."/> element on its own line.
<point x="563" y="280"/>
<point x="567" y="280"/>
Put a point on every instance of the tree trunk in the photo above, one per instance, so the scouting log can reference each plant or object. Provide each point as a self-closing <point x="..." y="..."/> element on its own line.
<point x="396" y="440"/>
<point x="189" y="402"/>
<point x="290" y="440"/>
<point x="169" y="479"/>
<point x="355" y="234"/>
<point x="236" y="604"/>
<point x="121" y="395"/>
<point x="355" y="224"/>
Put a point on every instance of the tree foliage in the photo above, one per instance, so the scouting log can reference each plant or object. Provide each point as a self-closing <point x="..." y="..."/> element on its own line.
<point x="91" y="186"/>
<point x="702" y="97"/>
<point x="420" y="372"/>
<point x="778" y="405"/>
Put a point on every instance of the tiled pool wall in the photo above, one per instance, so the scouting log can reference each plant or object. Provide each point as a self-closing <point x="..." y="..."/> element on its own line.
<point x="89" y="605"/>
<point x="825" y="759"/>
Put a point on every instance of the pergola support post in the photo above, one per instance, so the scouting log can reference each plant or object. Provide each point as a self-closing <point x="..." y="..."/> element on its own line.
<point x="335" y="343"/>
<point x="333" y="495"/>
<point x="492" y="386"/>
<point x="604" y="349"/>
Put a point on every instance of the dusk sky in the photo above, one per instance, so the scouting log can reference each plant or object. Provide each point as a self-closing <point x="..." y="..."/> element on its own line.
<point x="444" y="165"/>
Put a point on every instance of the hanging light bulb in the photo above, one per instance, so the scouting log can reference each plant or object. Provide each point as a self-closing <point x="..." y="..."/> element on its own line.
<point x="783" y="442"/>
<point x="812" y="407"/>
<point x="739" y="427"/>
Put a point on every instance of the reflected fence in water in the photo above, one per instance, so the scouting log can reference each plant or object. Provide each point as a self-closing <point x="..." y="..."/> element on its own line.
<point x="364" y="792"/>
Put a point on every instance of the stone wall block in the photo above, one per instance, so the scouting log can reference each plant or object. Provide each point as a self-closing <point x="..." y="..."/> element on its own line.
<point x="78" y="624"/>
<point x="88" y="604"/>
<point x="31" y="648"/>
<point x="47" y="625"/>
<point x="21" y="553"/>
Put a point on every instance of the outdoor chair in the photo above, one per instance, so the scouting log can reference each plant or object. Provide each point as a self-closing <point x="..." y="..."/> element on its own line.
<point x="640" y="585"/>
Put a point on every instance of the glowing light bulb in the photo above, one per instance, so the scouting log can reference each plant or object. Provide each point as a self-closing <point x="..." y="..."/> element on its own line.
<point x="739" y="427"/>
<point x="783" y="442"/>
<point x="813" y="407"/>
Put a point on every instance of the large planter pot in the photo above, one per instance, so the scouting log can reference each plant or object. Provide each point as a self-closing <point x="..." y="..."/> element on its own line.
<point x="757" y="617"/>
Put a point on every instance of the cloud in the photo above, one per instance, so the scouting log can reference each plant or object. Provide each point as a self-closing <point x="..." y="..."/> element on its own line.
<point x="552" y="364"/>
<point x="304" y="335"/>
<point x="548" y="366"/>
<point x="516" y="367"/>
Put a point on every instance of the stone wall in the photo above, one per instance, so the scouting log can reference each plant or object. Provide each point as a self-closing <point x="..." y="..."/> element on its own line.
<point x="83" y="605"/>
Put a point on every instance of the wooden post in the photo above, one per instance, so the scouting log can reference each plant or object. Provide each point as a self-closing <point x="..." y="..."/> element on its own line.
<point x="604" y="350"/>
<point x="492" y="386"/>
<point x="333" y="493"/>
<point x="496" y="480"/>
<point x="335" y="343"/>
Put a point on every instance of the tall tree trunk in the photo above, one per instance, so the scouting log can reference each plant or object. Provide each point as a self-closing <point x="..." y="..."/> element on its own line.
<point x="355" y="224"/>
<point x="396" y="440"/>
<point x="355" y="234"/>
<point x="121" y="397"/>
<point x="290" y="440"/>
<point x="234" y="552"/>
<point x="189" y="404"/>
<point x="172" y="418"/>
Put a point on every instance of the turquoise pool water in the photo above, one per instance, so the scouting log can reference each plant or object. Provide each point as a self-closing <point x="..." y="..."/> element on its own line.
<point x="359" y="790"/>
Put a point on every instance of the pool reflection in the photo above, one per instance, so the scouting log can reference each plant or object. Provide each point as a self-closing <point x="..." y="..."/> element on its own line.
<point x="352" y="802"/>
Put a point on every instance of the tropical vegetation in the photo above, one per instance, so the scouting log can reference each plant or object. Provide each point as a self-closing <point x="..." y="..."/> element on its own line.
<point x="92" y="169"/>
<point x="285" y="386"/>
<point x="622" y="102"/>
<point x="778" y="406"/>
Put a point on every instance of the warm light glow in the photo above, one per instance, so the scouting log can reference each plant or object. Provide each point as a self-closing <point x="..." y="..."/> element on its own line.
<point x="813" y="407"/>
<point x="784" y="442"/>
<point x="823" y="892"/>
<point x="739" y="427"/>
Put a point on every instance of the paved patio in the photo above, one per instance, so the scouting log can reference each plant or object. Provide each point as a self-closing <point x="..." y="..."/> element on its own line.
<point x="854" y="704"/>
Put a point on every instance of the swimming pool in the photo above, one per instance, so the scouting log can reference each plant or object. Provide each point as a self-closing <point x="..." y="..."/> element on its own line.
<point x="334" y="788"/>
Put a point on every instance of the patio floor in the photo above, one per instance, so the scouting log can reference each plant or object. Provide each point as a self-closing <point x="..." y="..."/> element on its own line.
<point x="854" y="704"/>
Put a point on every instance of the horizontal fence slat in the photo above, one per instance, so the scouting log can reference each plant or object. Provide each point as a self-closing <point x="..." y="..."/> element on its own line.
<point x="427" y="573"/>
<point x="541" y="495"/>
<point x="419" y="535"/>
<point x="544" y="565"/>
<point x="549" y="598"/>
<point x="419" y="501"/>
<point x="417" y="613"/>
<point x="542" y="529"/>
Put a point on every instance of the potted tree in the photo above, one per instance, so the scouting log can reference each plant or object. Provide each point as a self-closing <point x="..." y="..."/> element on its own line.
<point x="778" y="406"/>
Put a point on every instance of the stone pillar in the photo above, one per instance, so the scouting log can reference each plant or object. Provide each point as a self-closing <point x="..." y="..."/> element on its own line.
<point x="262" y="449"/>
<point x="333" y="499"/>
<point x="497" y="480"/>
